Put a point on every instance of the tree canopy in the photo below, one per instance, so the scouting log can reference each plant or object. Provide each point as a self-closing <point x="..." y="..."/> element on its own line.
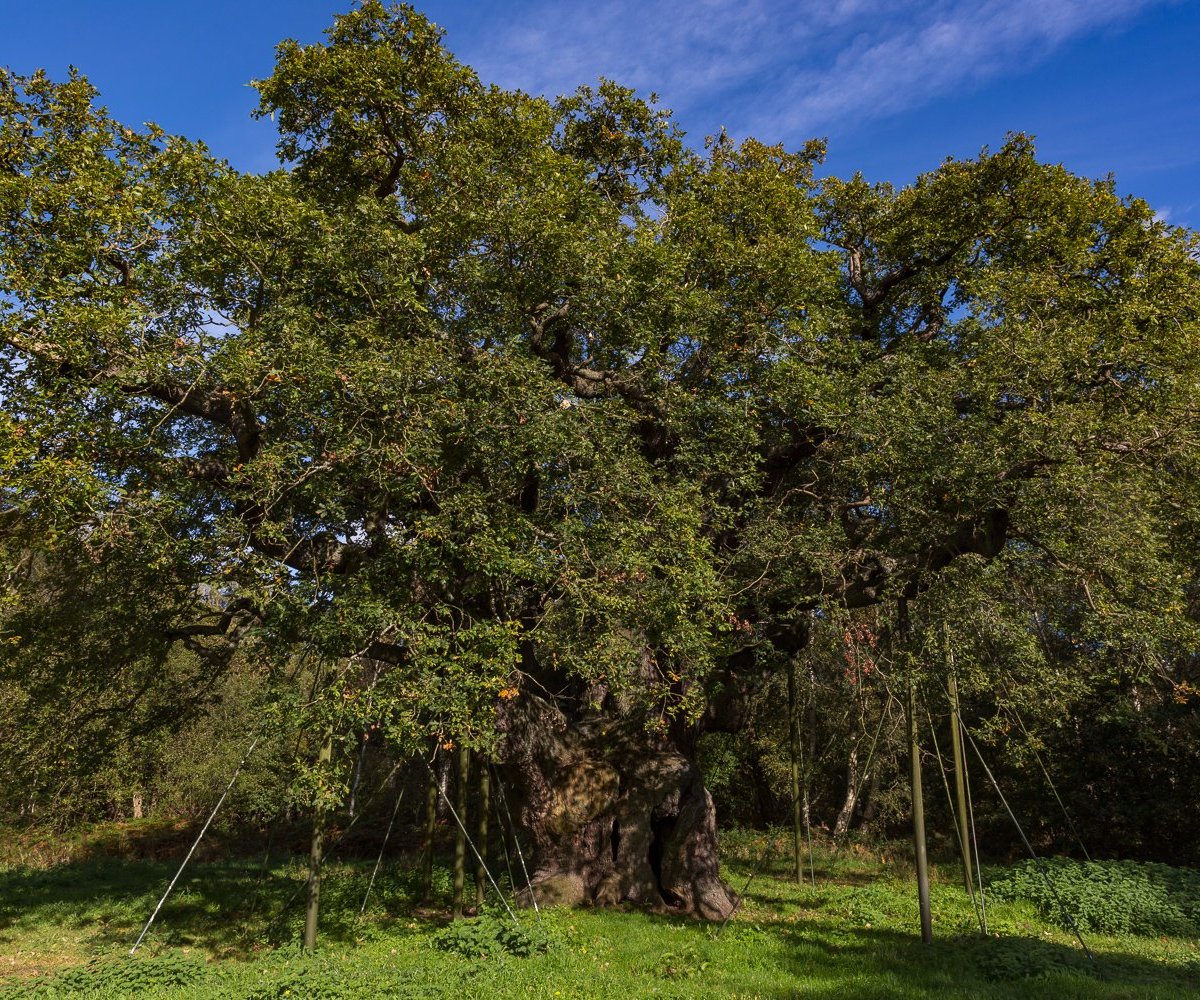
<point x="510" y="396"/>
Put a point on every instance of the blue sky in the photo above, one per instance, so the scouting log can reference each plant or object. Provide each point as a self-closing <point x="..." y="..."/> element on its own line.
<point x="1107" y="86"/>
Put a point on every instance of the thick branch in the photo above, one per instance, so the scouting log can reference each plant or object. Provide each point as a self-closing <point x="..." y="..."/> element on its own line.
<point x="219" y="407"/>
<point x="220" y="627"/>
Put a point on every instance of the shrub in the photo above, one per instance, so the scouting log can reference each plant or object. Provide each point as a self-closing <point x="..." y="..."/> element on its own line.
<point x="129" y="977"/>
<point x="1109" y="897"/>
<point x="488" y="935"/>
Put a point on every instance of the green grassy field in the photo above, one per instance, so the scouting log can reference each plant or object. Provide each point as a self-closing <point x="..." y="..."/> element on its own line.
<point x="231" y="928"/>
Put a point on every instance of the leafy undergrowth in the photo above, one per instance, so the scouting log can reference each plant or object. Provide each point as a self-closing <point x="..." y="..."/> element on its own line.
<point x="230" y="931"/>
<point x="1111" y="897"/>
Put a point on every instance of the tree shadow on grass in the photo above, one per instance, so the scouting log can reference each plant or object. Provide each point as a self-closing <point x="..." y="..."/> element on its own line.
<point x="824" y="959"/>
<point x="834" y="961"/>
<point x="229" y="909"/>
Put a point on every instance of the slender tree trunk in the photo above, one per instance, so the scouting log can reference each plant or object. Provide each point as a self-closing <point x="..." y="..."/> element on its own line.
<point x="316" y="849"/>
<point x="854" y="778"/>
<point x="358" y="769"/>
<point x="810" y="758"/>
<point x="485" y="804"/>
<point x="137" y="805"/>
<point x="431" y="814"/>
<point x="846" y="813"/>
<point x="443" y="798"/>
<point x="810" y="717"/>
<point x="794" y="749"/>
<point x="918" y="794"/>
<point x="960" y="786"/>
<point x="918" y="820"/>
<point x="460" y="834"/>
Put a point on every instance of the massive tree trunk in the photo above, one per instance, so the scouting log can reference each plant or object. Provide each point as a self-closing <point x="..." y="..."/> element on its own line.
<point x="615" y="815"/>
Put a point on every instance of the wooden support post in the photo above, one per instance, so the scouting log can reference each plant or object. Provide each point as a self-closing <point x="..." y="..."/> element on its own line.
<point x="960" y="785"/>
<point x="810" y="755"/>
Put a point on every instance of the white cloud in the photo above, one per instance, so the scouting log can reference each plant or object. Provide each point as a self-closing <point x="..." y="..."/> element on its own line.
<point x="664" y="45"/>
<point x="957" y="46"/>
<point x="785" y="69"/>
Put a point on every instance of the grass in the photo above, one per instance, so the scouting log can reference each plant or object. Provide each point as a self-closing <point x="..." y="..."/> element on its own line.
<point x="230" y="930"/>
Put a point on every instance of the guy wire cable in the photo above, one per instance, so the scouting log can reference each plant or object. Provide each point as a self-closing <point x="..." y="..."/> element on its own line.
<point x="382" y="847"/>
<point x="331" y="849"/>
<point x="517" y="844"/>
<point x="1050" y="781"/>
<point x="512" y="882"/>
<point x="196" y="843"/>
<point x="1041" y="865"/>
<point x="475" y="851"/>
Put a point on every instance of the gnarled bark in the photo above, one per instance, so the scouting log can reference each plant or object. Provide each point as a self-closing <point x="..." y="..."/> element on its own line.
<point x="615" y="815"/>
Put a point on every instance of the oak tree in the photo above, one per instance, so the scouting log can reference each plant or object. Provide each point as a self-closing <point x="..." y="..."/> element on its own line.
<point x="547" y="430"/>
